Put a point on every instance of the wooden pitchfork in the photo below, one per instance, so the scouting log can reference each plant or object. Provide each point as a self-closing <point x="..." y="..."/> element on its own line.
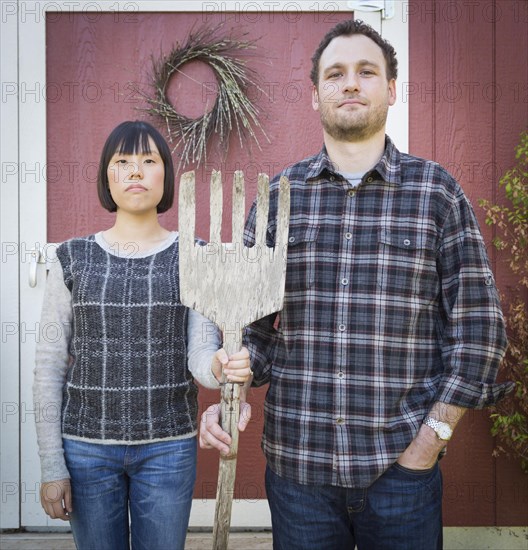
<point x="232" y="285"/>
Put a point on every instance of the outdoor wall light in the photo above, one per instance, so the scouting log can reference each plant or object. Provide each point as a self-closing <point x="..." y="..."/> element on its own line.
<point x="385" y="6"/>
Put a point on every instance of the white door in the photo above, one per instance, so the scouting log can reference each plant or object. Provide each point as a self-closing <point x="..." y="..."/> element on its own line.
<point x="24" y="218"/>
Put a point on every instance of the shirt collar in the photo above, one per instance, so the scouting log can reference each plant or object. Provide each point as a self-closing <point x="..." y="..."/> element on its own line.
<point x="388" y="168"/>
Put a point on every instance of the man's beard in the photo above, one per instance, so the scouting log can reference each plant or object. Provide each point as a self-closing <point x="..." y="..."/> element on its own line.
<point x="353" y="128"/>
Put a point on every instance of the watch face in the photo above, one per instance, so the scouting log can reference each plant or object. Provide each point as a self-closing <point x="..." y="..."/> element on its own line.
<point x="444" y="432"/>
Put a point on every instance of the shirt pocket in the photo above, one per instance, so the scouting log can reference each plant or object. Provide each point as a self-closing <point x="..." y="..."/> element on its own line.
<point x="302" y="256"/>
<point x="407" y="263"/>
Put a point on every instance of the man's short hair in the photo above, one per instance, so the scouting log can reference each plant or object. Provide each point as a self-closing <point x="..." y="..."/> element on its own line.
<point x="349" y="28"/>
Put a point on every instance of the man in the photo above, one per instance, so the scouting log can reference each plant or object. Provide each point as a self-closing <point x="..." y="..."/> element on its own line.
<point x="391" y="326"/>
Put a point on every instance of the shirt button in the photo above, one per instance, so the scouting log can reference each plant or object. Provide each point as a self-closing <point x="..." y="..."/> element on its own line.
<point x="291" y="239"/>
<point x="351" y="192"/>
<point x="370" y="179"/>
<point x="340" y="421"/>
<point x="340" y="375"/>
<point x="344" y="281"/>
<point x="488" y="280"/>
<point x="348" y="236"/>
<point x="342" y="327"/>
<point x="407" y="242"/>
<point x="331" y="178"/>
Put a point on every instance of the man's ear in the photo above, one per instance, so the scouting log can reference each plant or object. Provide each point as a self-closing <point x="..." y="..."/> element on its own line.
<point x="315" y="98"/>
<point x="392" y="91"/>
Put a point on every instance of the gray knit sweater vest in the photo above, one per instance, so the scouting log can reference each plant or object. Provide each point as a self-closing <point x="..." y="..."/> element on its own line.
<point x="128" y="381"/>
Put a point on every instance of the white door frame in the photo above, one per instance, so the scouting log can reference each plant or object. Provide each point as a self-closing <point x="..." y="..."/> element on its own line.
<point x="9" y="288"/>
<point x="24" y="216"/>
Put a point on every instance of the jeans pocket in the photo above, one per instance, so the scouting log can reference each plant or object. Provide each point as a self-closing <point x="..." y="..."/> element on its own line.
<point x="410" y="480"/>
<point x="416" y="473"/>
<point x="407" y="507"/>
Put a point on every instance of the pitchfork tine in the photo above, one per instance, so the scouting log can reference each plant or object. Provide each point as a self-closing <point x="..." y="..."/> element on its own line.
<point x="215" y="230"/>
<point x="239" y="205"/>
<point x="283" y="221"/>
<point x="186" y="211"/>
<point x="262" y="210"/>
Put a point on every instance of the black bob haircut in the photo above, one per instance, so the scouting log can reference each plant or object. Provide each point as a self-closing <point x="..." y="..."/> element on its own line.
<point x="128" y="138"/>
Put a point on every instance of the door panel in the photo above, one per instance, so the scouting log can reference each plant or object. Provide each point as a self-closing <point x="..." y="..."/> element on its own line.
<point x="91" y="59"/>
<point x="101" y="59"/>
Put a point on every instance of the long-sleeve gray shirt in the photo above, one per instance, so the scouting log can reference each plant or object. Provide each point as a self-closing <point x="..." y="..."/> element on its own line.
<point x="53" y="381"/>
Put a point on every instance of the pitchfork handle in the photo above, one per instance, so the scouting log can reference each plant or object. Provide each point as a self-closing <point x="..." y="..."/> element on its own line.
<point x="229" y="416"/>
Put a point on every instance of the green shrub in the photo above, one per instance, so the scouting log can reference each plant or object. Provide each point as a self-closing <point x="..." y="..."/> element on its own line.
<point x="510" y="416"/>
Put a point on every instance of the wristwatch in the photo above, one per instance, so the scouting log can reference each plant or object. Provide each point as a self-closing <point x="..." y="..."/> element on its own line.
<point x="442" y="429"/>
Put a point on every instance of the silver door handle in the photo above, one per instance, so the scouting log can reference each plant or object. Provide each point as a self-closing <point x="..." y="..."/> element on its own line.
<point x="37" y="257"/>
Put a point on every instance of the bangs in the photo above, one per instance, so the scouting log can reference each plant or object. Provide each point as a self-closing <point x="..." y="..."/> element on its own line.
<point x="136" y="140"/>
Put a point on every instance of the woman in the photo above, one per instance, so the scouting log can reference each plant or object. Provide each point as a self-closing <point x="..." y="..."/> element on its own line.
<point x="121" y="376"/>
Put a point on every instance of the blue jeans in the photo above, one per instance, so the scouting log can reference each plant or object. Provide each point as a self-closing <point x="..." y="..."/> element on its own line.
<point x="138" y="494"/>
<point x="402" y="510"/>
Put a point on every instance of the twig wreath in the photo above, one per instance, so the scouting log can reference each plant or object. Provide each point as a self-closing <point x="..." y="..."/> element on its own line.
<point x="232" y="107"/>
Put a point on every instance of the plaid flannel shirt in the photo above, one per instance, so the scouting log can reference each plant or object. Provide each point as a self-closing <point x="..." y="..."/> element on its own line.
<point x="390" y="306"/>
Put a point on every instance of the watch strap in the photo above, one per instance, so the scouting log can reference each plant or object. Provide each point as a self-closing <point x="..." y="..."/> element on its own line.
<point x="437" y="425"/>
